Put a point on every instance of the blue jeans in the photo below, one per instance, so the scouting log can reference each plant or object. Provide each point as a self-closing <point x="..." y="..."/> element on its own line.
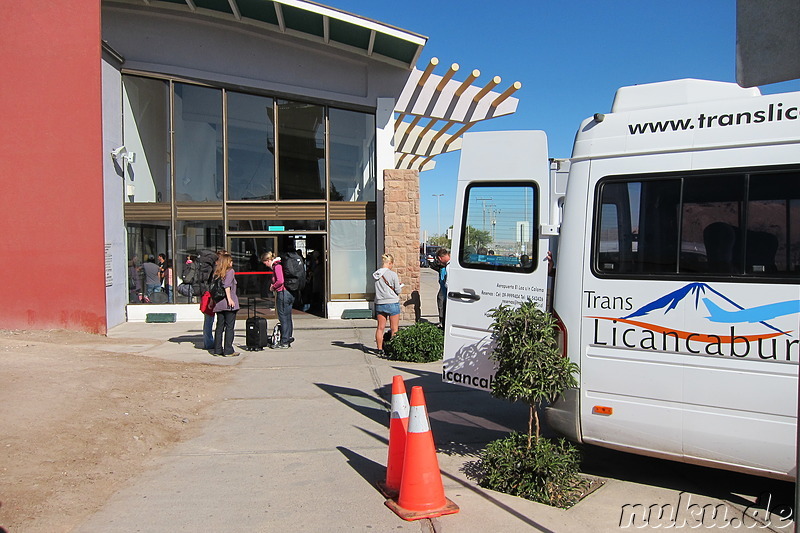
<point x="208" y="332"/>
<point x="151" y="288"/>
<point x="283" y="305"/>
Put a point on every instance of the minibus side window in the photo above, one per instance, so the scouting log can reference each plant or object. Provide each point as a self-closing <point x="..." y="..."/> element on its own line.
<point x="711" y="216"/>
<point x="773" y="224"/>
<point x="500" y="227"/>
<point x="638" y="227"/>
<point x="743" y="224"/>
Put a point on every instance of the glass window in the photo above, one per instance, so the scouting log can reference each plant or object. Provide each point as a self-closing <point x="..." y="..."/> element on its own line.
<point x="773" y="224"/>
<point x="301" y="151"/>
<point x="500" y="228"/>
<point x="147" y="273"/>
<point x="190" y="239"/>
<point x="353" y="247"/>
<point x="276" y="225"/>
<point x="711" y="212"/>
<point x="145" y="122"/>
<point x="641" y="216"/>
<point x="352" y="156"/>
<point x="693" y="225"/>
<point x="251" y="147"/>
<point x="251" y="274"/>
<point x="198" y="144"/>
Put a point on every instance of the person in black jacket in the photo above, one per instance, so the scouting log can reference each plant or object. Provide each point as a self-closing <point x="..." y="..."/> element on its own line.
<point x="206" y="261"/>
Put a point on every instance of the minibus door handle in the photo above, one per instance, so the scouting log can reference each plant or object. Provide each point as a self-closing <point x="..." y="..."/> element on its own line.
<point x="464" y="295"/>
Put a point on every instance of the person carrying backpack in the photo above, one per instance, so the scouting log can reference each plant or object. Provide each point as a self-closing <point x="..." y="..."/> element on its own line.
<point x="205" y="262"/>
<point x="294" y="274"/>
<point x="283" y="298"/>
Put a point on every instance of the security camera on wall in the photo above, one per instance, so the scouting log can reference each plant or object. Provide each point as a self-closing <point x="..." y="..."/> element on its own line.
<point x="122" y="153"/>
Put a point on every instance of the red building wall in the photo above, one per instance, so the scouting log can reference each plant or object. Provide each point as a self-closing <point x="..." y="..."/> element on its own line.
<point x="51" y="184"/>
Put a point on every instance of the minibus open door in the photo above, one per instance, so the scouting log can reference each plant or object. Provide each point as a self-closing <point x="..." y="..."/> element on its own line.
<point x="501" y="236"/>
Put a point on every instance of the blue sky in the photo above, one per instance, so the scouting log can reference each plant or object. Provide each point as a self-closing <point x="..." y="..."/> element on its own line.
<point x="570" y="57"/>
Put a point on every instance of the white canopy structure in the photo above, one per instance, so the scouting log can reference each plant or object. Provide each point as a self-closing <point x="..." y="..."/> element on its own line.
<point x="446" y="108"/>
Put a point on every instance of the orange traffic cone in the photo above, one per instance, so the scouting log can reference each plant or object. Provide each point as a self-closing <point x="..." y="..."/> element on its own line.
<point x="421" y="489"/>
<point x="398" y="427"/>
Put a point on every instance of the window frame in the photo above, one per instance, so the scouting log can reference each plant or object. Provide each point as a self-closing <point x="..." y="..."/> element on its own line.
<point x="534" y="252"/>
<point x="746" y="277"/>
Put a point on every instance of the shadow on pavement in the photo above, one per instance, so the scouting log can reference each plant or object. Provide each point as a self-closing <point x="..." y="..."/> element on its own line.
<point x="373" y="472"/>
<point x="464" y="420"/>
<point x="710" y="482"/>
<point x="197" y="340"/>
<point x="352" y="345"/>
<point x="368" y="469"/>
<point x="369" y="406"/>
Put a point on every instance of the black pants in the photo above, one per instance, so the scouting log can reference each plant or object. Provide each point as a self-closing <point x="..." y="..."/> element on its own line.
<point x="226" y="321"/>
<point x="441" y="302"/>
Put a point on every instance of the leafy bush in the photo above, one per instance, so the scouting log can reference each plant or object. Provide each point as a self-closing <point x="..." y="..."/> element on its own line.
<point x="531" y="368"/>
<point x="422" y="342"/>
<point x="547" y="472"/>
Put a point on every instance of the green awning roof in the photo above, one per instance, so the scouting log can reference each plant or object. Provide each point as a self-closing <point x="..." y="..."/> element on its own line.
<point x="313" y="21"/>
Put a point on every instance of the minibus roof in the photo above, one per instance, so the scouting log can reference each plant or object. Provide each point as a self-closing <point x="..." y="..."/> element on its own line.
<point x="677" y="92"/>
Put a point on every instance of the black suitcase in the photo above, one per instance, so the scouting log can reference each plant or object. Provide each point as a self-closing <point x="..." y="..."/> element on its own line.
<point x="256" y="335"/>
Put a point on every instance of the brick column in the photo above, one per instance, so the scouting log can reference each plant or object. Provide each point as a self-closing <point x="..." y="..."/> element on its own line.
<point x="401" y="234"/>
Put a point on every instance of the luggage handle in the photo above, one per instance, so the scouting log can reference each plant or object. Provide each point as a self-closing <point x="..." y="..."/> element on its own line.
<point x="254" y="306"/>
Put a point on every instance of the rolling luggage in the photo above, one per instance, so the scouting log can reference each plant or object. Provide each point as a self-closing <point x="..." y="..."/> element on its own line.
<point x="256" y="335"/>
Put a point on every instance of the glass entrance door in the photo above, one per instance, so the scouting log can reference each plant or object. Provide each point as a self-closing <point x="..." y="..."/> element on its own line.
<point x="251" y="274"/>
<point x="253" y="279"/>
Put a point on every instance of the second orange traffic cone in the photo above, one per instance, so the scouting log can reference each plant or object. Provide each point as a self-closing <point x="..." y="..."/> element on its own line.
<point x="398" y="427"/>
<point x="421" y="489"/>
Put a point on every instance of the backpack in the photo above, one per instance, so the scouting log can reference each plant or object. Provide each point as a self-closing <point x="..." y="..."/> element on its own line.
<point x="190" y="272"/>
<point x="294" y="271"/>
<point x="205" y="270"/>
<point x="218" y="290"/>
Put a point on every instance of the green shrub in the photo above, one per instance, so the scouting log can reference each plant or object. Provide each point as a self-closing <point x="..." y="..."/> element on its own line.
<point x="421" y="343"/>
<point x="531" y="368"/>
<point x="547" y="472"/>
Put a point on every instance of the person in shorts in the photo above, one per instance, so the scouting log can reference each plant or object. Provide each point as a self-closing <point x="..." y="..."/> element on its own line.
<point x="387" y="299"/>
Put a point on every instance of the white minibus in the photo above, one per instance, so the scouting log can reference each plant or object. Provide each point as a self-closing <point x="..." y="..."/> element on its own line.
<point x="675" y="228"/>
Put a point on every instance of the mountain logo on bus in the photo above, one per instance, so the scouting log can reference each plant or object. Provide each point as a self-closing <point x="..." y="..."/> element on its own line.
<point x="724" y="326"/>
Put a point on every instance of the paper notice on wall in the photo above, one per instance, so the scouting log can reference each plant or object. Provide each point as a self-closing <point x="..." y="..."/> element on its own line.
<point x="109" y="274"/>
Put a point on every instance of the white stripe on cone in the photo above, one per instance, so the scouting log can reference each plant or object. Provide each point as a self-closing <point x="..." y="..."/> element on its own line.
<point x="418" y="420"/>
<point x="399" y="406"/>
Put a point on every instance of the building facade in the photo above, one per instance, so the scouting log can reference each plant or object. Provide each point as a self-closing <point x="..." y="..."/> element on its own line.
<point x="153" y="130"/>
<point x="249" y="125"/>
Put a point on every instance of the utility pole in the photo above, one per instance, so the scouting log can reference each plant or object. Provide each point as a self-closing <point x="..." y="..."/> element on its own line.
<point x="483" y="199"/>
<point x="438" y="226"/>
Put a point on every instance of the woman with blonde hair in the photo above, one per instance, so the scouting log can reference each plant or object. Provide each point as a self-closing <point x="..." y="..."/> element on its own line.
<point x="225" y="309"/>
<point x="387" y="299"/>
<point x="284" y="300"/>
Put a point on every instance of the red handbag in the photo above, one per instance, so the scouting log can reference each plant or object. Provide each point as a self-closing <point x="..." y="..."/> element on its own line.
<point x="207" y="303"/>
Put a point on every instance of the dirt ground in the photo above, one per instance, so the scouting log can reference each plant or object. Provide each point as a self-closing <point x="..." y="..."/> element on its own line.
<point x="79" y="419"/>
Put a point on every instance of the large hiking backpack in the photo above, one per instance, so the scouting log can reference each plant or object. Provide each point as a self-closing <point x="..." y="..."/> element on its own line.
<point x="294" y="271"/>
<point x="205" y="270"/>
<point x="190" y="272"/>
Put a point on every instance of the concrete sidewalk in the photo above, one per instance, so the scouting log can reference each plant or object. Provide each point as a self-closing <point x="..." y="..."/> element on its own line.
<point x="300" y="438"/>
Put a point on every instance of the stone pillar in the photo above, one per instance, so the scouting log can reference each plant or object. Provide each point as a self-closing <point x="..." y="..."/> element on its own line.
<point x="401" y="234"/>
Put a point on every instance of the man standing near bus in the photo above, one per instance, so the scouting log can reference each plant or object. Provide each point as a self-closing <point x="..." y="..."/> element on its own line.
<point x="440" y="265"/>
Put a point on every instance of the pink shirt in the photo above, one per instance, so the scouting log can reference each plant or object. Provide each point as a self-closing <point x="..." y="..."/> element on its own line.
<point x="277" y="276"/>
